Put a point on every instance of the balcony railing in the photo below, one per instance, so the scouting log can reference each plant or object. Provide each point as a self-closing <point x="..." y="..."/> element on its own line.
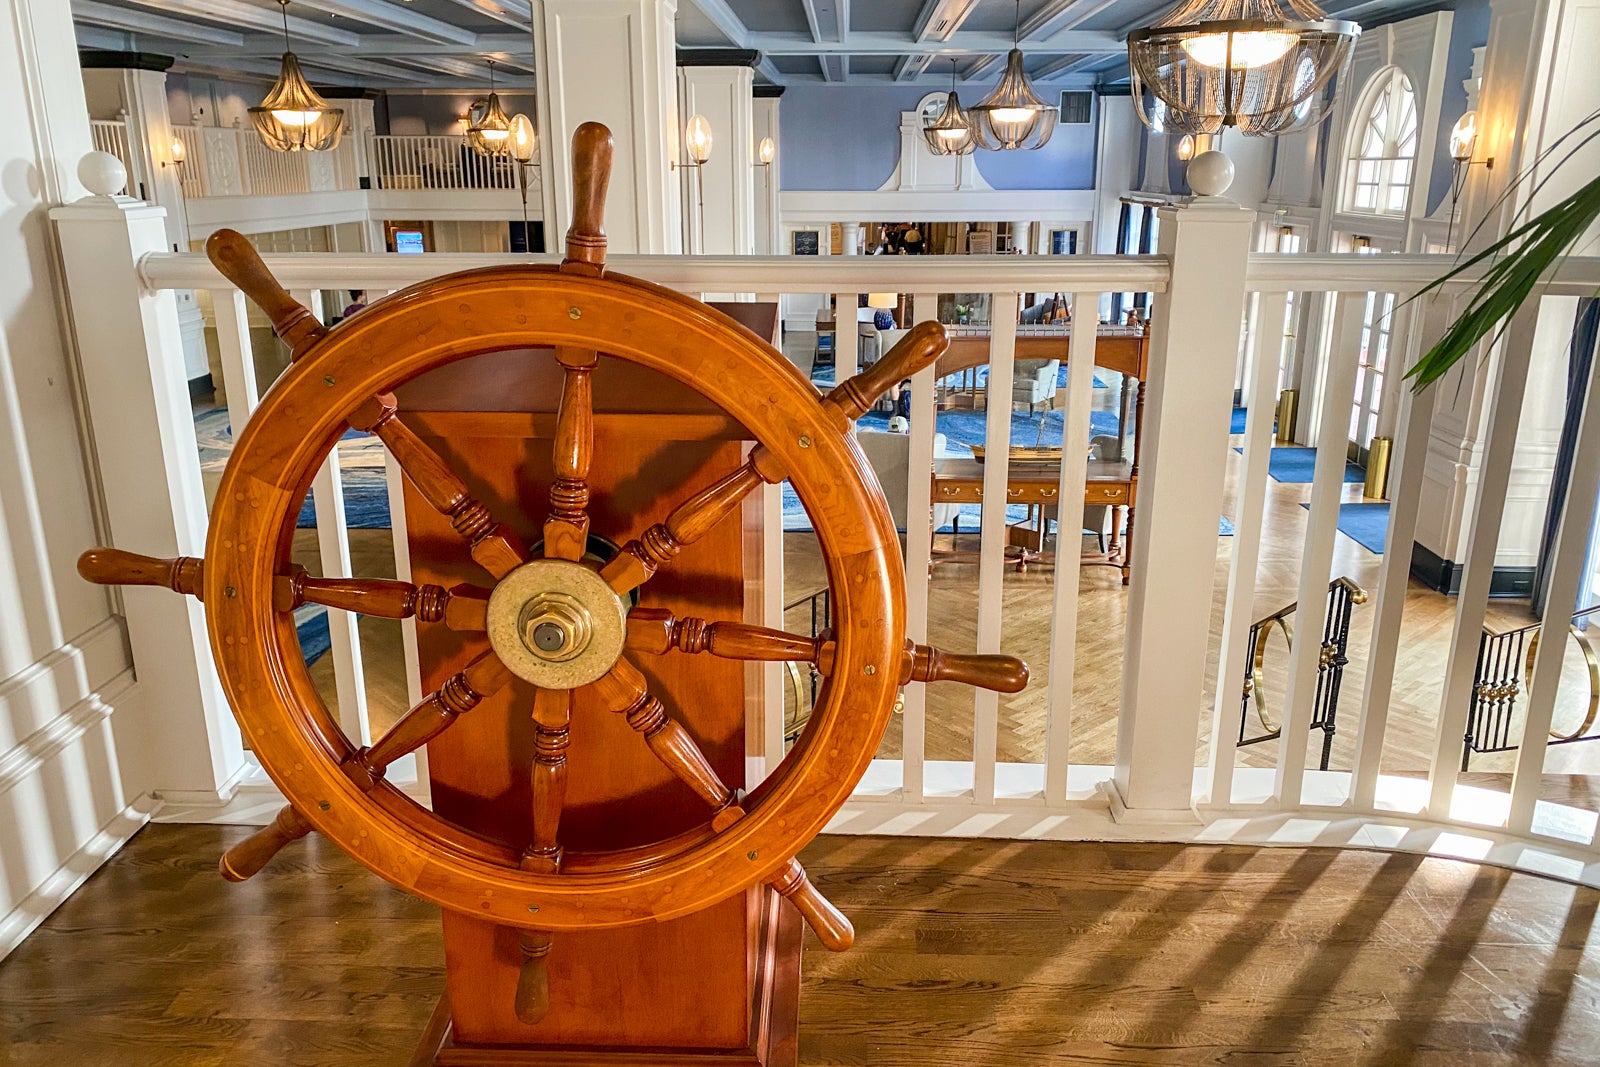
<point x="1158" y="785"/>
<point x="225" y="161"/>
<point x="436" y="162"/>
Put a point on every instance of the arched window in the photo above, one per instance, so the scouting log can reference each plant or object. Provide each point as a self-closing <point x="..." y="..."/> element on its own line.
<point x="1383" y="147"/>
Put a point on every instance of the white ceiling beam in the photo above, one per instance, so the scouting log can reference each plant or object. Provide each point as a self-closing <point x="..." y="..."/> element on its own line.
<point x="245" y="16"/>
<point x="1064" y="66"/>
<point x="121" y="18"/>
<point x="770" y="69"/>
<point x="459" y="68"/>
<point x="910" y="68"/>
<point x="835" y="67"/>
<point x="515" y="13"/>
<point x="940" y="19"/>
<point x="829" y="19"/>
<point x="98" y="37"/>
<point x="722" y="17"/>
<point x="395" y="17"/>
<point x="1080" y="42"/>
<point x="1050" y="18"/>
<point x="978" y="65"/>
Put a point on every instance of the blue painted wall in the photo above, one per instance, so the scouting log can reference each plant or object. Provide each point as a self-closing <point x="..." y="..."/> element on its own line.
<point x="847" y="137"/>
<point x="1469" y="30"/>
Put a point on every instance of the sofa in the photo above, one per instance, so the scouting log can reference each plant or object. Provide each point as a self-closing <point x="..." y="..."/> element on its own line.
<point x="890" y="456"/>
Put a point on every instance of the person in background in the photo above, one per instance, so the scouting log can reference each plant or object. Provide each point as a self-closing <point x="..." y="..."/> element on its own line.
<point x="358" y="302"/>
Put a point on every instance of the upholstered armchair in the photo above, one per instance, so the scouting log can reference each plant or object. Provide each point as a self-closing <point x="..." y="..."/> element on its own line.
<point x="890" y="456"/>
<point x="1035" y="383"/>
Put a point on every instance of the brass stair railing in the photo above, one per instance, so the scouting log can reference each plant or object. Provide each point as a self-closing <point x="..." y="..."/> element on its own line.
<point x="1504" y="660"/>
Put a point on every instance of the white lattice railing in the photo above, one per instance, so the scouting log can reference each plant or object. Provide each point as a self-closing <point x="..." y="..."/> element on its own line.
<point x="438" y="162"/>
<point x="1159" y="786"/>
<point x="113" y="135"/>
<point x="224" y="161"/>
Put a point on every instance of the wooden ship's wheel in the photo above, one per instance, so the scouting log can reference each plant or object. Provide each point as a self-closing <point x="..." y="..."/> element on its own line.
<point x="571" y="635"/>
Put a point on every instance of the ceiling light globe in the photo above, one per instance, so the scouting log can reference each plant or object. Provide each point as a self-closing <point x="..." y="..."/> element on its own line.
<point x="1250" y="49"/>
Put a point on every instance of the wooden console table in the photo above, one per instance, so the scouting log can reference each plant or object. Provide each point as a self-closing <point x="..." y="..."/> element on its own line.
<point x="1113" y="482"/>
<point x="1038" y="485"/>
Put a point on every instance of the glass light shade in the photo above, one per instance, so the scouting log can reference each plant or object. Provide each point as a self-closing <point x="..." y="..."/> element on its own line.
<point x="294" y="117"/>
<point x="1239" y="51"/>
<point x="1186" y="147"/>
<point x="1464" y="137"/>
<point x="697" y="138"/>
<point x="951" y="133"/>
<point x="524" y="139"/>
<point x="490" y="133"/>
<point x="766" y="151"/>
<point x="1013" y="116"/>
<point x="1266" y="67"/>
<point x="883" y="300"/>
<point x="178" y="151"/>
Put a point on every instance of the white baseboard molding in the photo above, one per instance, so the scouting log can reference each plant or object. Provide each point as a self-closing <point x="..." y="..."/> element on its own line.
<point x="36" y="907"/>
<point x="253" y="799"/>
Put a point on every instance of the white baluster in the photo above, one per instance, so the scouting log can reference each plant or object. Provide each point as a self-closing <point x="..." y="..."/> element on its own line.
<point x="1069" y="527"/>
<point x="1509" y="370"/>
<point x="919" y="544"/>
<point x="992" y="548"/>
<point x="1239" y="610"/>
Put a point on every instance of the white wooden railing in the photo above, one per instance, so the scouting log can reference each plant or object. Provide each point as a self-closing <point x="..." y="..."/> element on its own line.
<point x="225" y="161"/>
<point x="437" y="162"/>
<point x="114" y="136"/>
<point x="1157" y="787"/>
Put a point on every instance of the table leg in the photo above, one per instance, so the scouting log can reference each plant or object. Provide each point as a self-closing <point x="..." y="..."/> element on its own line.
<point x="1127" y="549"/>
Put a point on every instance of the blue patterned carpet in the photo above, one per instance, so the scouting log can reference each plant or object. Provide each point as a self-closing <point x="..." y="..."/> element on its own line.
<point x="1365" y="523"/>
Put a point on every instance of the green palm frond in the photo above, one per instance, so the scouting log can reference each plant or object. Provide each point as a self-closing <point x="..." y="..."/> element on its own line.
<point x="1520" y="259"/>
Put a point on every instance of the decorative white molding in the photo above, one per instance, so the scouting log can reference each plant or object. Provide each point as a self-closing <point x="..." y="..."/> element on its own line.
<point x="948" y="205"/>
<point x="919" y="170"/>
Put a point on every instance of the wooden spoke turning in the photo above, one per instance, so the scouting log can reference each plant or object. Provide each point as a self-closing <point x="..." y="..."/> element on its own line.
<point x="657" y="631"/>
<point x="919" y="348"/>
<point x="256" y="851"/>
<point x="495" y="547"/>
<point x="552" y="715"/>
<point x="566" y="532"/>
<point x="623" y="690"/>
<point x="460" y="693"/>
<point x="591" y="178"/>
<point x="233" y="254"/>
<point x="113" y="566"/>
<point x="461" y="608"/>
<point x="827" y="921"/>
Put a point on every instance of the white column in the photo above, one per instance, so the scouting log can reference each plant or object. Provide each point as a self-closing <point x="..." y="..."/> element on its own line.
<point x="133" y="379"/>
<point x="727" y="220"/>
<point x="769" y="233"/>
<point x="1194" y="341"/>
<point x="611" y="61"/>
<point x="850" y="238"/>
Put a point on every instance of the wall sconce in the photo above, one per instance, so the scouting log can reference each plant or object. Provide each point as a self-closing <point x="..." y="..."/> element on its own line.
<point x="697" y="143"/>
<point x="766" y="151"/>
<point x="1463" y="140"/>
<point x="178" y="152"/>
<point x="524" y="147"/>
<point x="1361" y="245"/>
<point x="1186" y="148"/>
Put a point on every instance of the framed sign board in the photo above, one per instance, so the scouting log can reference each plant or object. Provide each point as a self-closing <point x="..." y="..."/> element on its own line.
<point x="807" y="242"/>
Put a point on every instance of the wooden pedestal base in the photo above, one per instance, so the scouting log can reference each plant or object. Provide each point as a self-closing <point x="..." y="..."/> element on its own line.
<point x="774" y="1019"/>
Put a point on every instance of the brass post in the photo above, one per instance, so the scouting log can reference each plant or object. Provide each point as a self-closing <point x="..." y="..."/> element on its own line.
<point x="1288" y="409"/>
<point x="1378" y="468"/>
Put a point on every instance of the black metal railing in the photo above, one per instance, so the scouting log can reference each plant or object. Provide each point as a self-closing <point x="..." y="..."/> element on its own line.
<point x="1343" y="595"/>
<point x="1504" y="662"/>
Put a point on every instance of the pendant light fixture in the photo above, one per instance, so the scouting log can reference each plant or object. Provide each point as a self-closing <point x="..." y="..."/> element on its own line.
<point x="294" y="117"/>
<point x="951" y="133"/>
<point x="1264" y="66"/>
<point x="1013" y="116"/>
<point x="488" y="130"/>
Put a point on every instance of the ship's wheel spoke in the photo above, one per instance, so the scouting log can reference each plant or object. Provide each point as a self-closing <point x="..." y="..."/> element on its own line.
<point x="461" y="608"/>
<point x="566" y="532"/>
<point x="657" y="631"/>
<point x="493" y="545"/>
<point x="623" y="690"/>
<point x="460" y="693"/>
<point x="552" y="715"/>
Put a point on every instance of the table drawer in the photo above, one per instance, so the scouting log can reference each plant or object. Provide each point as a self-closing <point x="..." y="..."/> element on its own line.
<point x="1105" y="493"/>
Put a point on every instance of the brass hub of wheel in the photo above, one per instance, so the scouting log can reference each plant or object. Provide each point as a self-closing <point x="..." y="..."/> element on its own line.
<point x="556" y="623"/>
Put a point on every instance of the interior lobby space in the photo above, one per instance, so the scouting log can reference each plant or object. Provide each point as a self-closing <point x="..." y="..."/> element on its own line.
<point x="786" y="533"/>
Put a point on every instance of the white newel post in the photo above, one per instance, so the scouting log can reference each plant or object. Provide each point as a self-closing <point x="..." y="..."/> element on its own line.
<point x="1194" y="345"/>
<point x="131" y="350"/>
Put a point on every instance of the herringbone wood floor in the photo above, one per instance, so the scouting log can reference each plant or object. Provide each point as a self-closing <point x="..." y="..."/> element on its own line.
<point x="982" y="953"/>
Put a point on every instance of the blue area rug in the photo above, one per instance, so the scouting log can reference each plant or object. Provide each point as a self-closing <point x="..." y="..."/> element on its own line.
<point x="1237" y="426"/>
<point x="1367" y="524"/>
<point x="311" y="626"/>
<point x="821" y="376"/>
<point x="1289" y="464"/>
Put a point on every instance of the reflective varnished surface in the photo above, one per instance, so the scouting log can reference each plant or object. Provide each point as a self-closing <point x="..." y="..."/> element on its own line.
<point x="991" y="953"/>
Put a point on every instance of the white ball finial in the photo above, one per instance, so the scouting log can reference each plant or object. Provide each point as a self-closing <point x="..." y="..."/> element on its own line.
<point x="102" y="173"/>
<point x="1210" y="173"/>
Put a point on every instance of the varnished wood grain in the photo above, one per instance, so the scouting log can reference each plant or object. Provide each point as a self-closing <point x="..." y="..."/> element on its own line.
<point x="1011" y="954"/>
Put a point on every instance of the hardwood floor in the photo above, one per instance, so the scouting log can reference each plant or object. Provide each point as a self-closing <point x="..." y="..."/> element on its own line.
<point x="980" y="953"/>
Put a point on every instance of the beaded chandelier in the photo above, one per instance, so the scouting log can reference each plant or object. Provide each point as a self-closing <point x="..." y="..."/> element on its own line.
<point x="294" y="117"/>
<point x="951" y="133"/>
